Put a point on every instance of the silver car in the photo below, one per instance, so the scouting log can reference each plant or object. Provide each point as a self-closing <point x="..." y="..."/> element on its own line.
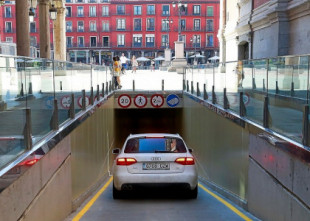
<point x="154" y="159"/>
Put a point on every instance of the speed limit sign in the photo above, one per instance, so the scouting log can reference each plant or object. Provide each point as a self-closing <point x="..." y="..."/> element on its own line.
<point x="124" y="100"/>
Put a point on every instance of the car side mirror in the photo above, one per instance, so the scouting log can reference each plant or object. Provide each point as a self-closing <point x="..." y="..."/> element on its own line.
<point x="190" y="150"/>
<point x="116" y="151"/>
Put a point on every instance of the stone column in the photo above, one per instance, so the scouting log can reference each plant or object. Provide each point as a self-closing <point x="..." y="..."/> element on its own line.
<point x="22" y="28"/>
<point x="142" y="53"/>
<point x="100" y="62"/>
<point x="45" y="46"/>
<point x="75" y="56"/>
<point x="87" y="57"/>
<point x="129" y="54"/>
<point x="60" y="34"/>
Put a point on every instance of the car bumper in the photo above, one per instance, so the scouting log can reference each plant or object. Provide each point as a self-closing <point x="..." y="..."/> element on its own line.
<point x="122" y="177"/>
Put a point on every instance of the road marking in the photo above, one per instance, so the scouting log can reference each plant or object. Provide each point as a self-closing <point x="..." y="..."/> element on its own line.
<point x="231" y="207"/>
<point x="92" y="201"/>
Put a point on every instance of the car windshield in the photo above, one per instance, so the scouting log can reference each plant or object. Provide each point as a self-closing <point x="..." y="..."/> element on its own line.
<point x="155" y="145"/>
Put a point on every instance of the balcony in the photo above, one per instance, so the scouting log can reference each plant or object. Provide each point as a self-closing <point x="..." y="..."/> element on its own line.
<point x="9" y="30"/>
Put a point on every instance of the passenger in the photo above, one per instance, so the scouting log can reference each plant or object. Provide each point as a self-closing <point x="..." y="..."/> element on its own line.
<point x="173" y="145"/>
<point x="134" y="64"/>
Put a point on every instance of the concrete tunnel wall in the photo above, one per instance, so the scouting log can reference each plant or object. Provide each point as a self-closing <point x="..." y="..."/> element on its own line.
<point x="235" y="166"/>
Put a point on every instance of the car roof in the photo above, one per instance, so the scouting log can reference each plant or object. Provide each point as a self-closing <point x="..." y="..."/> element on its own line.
<point x="154" y="135"/>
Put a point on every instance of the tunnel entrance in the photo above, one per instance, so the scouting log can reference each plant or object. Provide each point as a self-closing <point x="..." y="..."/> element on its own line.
<point x="133" y="121"/>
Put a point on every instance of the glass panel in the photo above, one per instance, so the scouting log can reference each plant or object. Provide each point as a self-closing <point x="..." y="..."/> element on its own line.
<point x="233" y="82"/>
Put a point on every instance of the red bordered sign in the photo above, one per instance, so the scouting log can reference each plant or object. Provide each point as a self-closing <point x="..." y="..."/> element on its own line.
<point x="157" y="100"/>
<point x="65" y="101"/>
<point x="79" y="101"/>
<point x="124" y="100"/>
<point x="140" y="100"/>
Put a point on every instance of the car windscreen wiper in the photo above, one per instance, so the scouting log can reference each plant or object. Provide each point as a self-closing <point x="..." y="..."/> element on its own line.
<point x="162" y="151"/>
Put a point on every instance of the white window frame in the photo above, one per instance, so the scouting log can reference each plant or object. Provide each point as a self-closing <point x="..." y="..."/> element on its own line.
<point x="9" y="39"/>
<point x="121" y="22"/>
<point x="78" y="42"/>
<point x="90" y="41"/>
<point x="120" y="40"/>
<point x="104" y="11"/>
<point x="109" y="43"/>
<point x="91" y="11"/>
<point x="92" y="24"/>
<point x="140" y="9"/>
<point x="105" y="22"/>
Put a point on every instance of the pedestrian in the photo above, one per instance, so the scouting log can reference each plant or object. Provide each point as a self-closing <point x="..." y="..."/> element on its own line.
<point x="134" y="64"/>
<point x="123" y="60"/>
<point x="152" y="65"/>
<point x="117" y="70"/>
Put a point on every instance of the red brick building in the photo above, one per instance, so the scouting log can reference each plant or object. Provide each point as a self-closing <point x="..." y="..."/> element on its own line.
<point x="96" y="30"/>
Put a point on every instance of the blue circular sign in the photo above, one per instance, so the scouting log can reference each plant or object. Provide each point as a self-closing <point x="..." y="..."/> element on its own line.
<point x="172" y="100"/>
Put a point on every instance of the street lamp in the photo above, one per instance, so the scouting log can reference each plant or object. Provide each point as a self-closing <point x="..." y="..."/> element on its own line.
<point x="181" y="8"/>
<point x="53" y="13"/>
<point x="168" y="22"/>
<point x="194" y="41"/>
<point x="31" y="14"/>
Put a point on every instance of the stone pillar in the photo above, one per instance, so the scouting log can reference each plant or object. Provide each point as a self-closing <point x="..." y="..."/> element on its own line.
<point x="60" y="34"/>
<point x="75" y="56"/>
<point x="87" y="57"/>
<point x="129" y="54"/>
<point x="100" y="62"/>
<point x="45" y="46"/>
<point x="142" y="53"/>
<point x="22" y="28"/>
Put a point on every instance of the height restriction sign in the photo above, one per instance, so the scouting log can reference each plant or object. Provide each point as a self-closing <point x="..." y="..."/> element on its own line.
<point x="157" y="100"/>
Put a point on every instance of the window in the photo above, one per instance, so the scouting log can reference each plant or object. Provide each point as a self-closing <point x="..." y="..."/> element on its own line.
<point x="183" y="24"/>
<point x="68" y="12"/>
<point x="137" y="41"/>
<point x="33" y="41"/>
<point x="150" y="24"/>
<point x="8" y="27"/>
<point x="69" y="1"/>
<point x="79" y="1"/>
<point x="121" y="24"/>
<point x="92" y="1"/>
<point x="197" y="24"/>
<point x="32" y="27"/>
<point x="164" y="41"/>
<point x="69" y="42"/>
<point x="120" y="9"/>
<point x="151" y="10"/>
<point x="92" y="11"/>
<point x="80" y="26"/>
<point x="209" y="25"/>
<point x="10" y="39"/>
<point x="80" y="11"/>
<point x="81" y="41"/>
<point x="166" y="10"/>
<point x="68" y="26"/>
<point x="209" y="40"/>
<point x="92" y="26"/>
<point x="93" y="41"/>
<point x="137" y="10"/>
<point x="165" y="25"/>
<point x="106" y="41"/>
<point x="137" y="24"/>
<point x="105" y="26"/>
<point x="210" y="11"/>
<point x="150" y="39"/>
<point x="196" y="9"/>
<point x="150" y="145"/>
<point x="196" y="41"/>
<point x="8" y="12"/>
<point x="105" y="10"/>
<point x="120" y="40"/>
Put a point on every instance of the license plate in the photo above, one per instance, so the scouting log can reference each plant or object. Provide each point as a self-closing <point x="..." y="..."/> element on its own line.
<point x="156" y="166"/>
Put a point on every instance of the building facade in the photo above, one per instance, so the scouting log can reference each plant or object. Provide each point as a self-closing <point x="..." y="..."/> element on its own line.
<point x="96" y="30"/>
<point x="263" y="28"/>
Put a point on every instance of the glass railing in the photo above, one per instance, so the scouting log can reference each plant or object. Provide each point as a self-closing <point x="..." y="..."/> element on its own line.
<point x="274" y="92"/>
<point x="31" y="89"/>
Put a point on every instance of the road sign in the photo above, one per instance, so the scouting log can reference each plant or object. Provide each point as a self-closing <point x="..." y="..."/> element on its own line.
<point x="87" y="99"/>
<point x="65" y="101"/>
<point x="172" y="100"/>
<point x="157" y="100"/>
<point x="140" y="100"/>
<point x="246" y="98"/>
<point x="49" y="102"/>
<point x="124" y="100"/>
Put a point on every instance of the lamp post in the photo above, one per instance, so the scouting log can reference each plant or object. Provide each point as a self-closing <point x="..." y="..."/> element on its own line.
<point x="53" y="17"/>
<point x="168" y="22"/>
<point x="194" y="41"/>
<point x="181" y="8"/>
